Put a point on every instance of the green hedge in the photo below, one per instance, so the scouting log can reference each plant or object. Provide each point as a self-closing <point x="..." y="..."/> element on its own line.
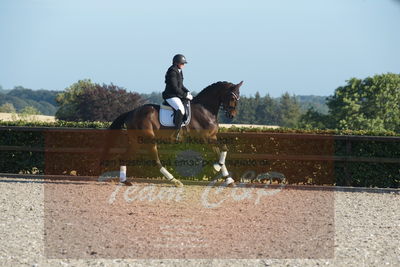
<point x="298" y="171"/>
<point x="21" y="161"/>
<point x="102" y="125"/>
<point x="69" y="124"/>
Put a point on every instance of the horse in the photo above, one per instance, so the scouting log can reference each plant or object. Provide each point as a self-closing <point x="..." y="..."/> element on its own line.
<point x="203" y="124"/>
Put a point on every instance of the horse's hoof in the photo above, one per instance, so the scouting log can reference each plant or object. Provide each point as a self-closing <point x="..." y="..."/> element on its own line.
<point x="176" y="182"/>
<point x="126" y="183"/>
<point x="217" y="167"/>
<point x="229" y="182"/>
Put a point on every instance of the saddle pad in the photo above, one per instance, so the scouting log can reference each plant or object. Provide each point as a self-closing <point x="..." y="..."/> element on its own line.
<point x="167" y="116"/>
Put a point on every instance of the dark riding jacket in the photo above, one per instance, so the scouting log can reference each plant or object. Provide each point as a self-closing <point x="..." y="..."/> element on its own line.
<point x="174" y="84"/>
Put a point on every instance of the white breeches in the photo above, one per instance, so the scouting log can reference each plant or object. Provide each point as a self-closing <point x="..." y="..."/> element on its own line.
<point x="176" y="103"/>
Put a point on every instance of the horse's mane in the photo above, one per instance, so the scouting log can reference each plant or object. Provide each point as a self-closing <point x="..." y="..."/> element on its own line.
<point x="212" y="87"/>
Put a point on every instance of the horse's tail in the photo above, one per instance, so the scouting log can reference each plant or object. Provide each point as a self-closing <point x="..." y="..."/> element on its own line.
<point x="111" y="135"/>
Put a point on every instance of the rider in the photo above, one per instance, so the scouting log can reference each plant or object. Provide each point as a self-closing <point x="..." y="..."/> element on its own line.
<point x="175" y="91"/>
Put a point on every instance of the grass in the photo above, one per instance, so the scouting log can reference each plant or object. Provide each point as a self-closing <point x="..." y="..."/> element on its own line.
<point x="16" y="117"/>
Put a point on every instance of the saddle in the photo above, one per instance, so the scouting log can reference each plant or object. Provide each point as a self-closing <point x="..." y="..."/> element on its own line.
<point x="166" y="114"/>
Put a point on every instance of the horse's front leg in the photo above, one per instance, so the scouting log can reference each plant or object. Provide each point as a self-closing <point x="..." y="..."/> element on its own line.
<point x="220" y="165"/>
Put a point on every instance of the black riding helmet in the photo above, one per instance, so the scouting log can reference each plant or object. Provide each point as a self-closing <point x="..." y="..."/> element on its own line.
<point x="179" y="59"/>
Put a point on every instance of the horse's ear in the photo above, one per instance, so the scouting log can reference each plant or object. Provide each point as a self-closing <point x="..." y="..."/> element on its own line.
<point x="239" y="84"/>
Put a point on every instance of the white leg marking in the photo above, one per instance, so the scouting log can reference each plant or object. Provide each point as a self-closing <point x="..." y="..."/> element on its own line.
<point x="224" y="171"/>
<point x="222" y="157"/>
<point x="166" y="173"/>
<point x="122" y="174"/>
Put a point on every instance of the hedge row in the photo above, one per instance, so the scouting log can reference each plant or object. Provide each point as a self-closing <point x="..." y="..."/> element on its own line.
<point x="58" y="123"/>
<point x="175" y="156"/>
<point x="102" y="125"/>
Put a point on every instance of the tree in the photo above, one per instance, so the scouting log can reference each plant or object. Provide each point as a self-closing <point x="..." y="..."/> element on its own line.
<point x="317" y="103"/>
<point x="246" y="111"/>
<point x="369" y="104"/>
<point x="69" y="100"/>
<point x="267" y="111"/>
<point x="29" y="110"/>
<point x="35" y="95"/>
<point x="314" y="119"/>
<point x="289" y="111"/>
<point x="7" y="108"/>
<point x="88" y="101"/>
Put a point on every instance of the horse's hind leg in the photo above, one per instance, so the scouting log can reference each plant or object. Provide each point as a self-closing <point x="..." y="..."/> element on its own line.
<point x="154" y="154"/>
<point x="132" y="149"/>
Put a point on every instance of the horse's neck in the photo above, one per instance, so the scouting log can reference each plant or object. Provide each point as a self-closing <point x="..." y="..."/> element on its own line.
<point x="210" y="102"/>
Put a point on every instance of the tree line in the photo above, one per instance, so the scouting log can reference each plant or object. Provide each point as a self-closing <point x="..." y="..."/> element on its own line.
<point x="89" y="101"/>
<point x="19" y="99"/>
<point x="372" y="103"/>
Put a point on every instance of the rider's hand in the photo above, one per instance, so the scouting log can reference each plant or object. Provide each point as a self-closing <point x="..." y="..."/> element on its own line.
<point x="189" y="96"/>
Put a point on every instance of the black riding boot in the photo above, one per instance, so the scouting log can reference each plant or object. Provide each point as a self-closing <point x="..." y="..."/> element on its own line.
<point x="178" y="117"/>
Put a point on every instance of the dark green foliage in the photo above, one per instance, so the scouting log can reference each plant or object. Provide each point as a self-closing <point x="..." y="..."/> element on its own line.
<point x="313" y="119"/>
<point x="367" y="174"/>
<point x="289" y="111"/>
<point x="369" y="104"/>
<point x="265" y="110"/>
<point x="246" y="112"/>
<point x="58" y="124"/>
<point x="256" y="109"/>
<point x="36" y="95"/>
<point x="20" y="97"/>
<point x="105" y="103"/>
<point x="372" y="103"/>
<point x="317" y="103"/>
<point x="22" y="161"/>
<point x="88" y="101"/>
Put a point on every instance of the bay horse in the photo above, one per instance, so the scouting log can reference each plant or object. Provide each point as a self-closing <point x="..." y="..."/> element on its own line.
<point x="203" y="124"/>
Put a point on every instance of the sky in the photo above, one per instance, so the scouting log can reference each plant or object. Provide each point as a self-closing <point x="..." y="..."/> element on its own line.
<point x="304" y="47"/>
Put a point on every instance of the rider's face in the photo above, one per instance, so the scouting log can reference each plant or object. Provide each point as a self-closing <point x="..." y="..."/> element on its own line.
<point x="181" y="66"/>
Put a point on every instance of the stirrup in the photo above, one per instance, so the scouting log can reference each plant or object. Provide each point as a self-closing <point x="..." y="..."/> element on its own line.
<point x="176" y="134"/>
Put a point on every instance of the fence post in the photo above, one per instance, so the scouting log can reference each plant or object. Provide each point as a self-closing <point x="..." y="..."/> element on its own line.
<point x="348" y="178"/>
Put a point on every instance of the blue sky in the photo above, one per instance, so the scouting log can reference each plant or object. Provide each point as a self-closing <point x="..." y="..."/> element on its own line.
<point x="299" y="46"/>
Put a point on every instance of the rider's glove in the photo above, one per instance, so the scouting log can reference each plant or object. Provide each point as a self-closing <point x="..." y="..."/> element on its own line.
<point x="189" y="96"/>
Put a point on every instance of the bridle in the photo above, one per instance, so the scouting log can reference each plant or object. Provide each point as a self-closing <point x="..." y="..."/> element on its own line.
<point x="228" y="107"/>
<point x="235" y="96"/>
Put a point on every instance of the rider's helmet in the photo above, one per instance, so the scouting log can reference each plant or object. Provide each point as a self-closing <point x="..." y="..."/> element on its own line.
<point x="179" y="59"/>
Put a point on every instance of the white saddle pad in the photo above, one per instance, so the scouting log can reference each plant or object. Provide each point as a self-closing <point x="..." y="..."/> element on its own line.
<point x="167" y="116"/>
